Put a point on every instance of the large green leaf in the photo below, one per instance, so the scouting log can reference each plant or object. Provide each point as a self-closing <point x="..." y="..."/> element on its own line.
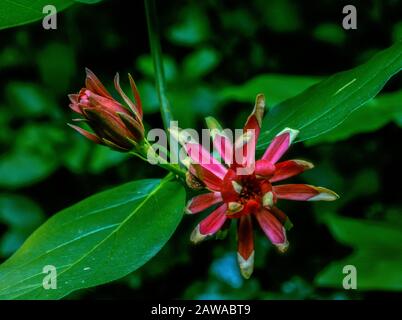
<point x="325" y="105"/>
<point x="277" y="88"/>
<point x="375" y="114"/>
<point x="98" y="240"/>
<point x="17" y="12"/>
<point x="377" y="255"/>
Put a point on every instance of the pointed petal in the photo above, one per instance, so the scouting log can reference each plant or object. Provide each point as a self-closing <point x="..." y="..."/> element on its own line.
<point x="244" y="152"/>
<point x="264" y="169"/>
<point x="211" y="181"/>
<point x="282" y="217"/>
<point x="202" y="202"/>
<point x="75" y="107"/>
<point x="224" y="146"/>
<point x="290" y="168"/>
<point x="135" y="127"/>
<point x="304" y="192"/>
<point x="114" y="146"/>
<point x="280" y="145"/>
<point x="86" y="133"/>
<point x="245" y="246"/>
<point x="136" y="95"/>
<point x="202" y="157"/>
<point x="73" y="97"/>
<point x="255" y="119"/>
<point x="93" y="83"/>
<point x="98" y="102"/>
<point x="246" y="144"/>
<point x="132" y="106"/>
<point x="210" y="225"/>
<point x="273" y="229"/>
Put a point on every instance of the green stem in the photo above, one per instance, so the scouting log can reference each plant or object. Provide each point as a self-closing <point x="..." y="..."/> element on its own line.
<point x="142" y="153"/>
<point x="156" y="52"/>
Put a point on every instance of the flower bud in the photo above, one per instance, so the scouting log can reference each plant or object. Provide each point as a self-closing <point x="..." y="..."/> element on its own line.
<point x="113" y="124"/>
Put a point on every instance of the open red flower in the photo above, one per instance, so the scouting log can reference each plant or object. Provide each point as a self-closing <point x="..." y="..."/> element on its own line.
<point x="113" y="124"/>
<point x="248" y="196"/>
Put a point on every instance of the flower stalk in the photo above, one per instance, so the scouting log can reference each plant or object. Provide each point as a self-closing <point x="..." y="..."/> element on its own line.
<point x="156" y="53"/>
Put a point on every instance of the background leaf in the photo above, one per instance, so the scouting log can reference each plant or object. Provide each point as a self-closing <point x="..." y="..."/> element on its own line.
<point x="98" y="240"/>
<point x="377" y="255"/>
<point x="325" y="105"/>
<point x="18" y="12"/>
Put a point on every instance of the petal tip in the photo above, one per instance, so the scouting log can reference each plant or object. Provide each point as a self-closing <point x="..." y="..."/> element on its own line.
<point x="246" y="265"/>
<point x="282" y="247"/>
<point x="196" y="236"/>
<point x="324" y="195"/>
<point x="292" y="134"/>
<point x="305" y="164"/>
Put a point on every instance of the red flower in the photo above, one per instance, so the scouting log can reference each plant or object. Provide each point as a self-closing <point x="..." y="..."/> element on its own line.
<point x="252" y="196"/>
<point x="113" y="124"/>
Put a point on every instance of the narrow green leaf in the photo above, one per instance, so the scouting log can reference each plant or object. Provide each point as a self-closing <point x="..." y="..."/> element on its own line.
<point x="325" y="105"/>
<point x="375" y="114"/>
<point x="98" y="240"/>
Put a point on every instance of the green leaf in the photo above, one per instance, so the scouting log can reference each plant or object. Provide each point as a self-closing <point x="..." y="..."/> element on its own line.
<point x="30" y="100"/>
<point x="56" y="75"/>
<point x="192" y="27"/>
<point x="19" y="212"/>
<point x="331" y="33"/>
<point x="22" y="216"/>
<point x="20" y="167"/>
<point x="98" y="240"/>
<point x="375" y="114"/>
<point x="276" y="87"/>
<point x="14" y="13"/>
<point x="376" y="256"/>
<point x="325" y="105"/>
<point x="201" y="62"/>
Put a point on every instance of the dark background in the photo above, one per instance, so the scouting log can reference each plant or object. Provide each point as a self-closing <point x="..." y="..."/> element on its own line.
<point x="212" y="48"/>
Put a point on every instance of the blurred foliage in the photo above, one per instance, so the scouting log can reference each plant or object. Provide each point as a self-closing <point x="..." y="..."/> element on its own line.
<point x="218" y="55"/>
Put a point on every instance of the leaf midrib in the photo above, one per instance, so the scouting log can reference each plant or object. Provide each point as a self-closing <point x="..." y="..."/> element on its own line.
<point x="289" y="115"/>
<point x="163" y="182"/>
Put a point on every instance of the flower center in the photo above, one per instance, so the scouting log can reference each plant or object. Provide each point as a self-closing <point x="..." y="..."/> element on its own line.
<point x="244" y="194"/>
<point x="250" y="188"/>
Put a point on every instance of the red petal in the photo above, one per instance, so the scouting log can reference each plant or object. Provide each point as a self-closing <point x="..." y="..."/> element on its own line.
<point x="136" y="95"/>
<point x="272" y="228"/>
<point x="255" y="119"/>
<point x="111" y="105"/>
<point x="290" y="168"/>
<point x="264" y="168"/>
<point x="280" y="145"/>
<point x="86" y="133"/>
<point x="202" y="157"/>
<point x="212" y="182"/>
<point x="246" y="157"/>
<point x="224" y="146"/>
<point x="203" y="201"/>
<point x="93" y="84"/>
<point x="210" y="225"/>
<point x="304" y="192"/>
<point x="245" y="246"/>
<point x="75" y="107"/>
<point x="132" y="106"/>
